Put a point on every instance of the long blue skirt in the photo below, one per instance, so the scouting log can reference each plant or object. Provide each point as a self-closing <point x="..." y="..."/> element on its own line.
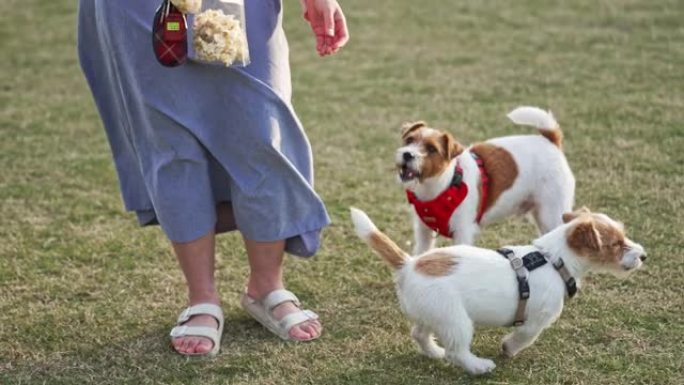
<point x="185" y="139"/>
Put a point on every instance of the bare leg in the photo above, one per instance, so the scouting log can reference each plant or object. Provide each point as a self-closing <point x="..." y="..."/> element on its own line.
<point x="266" y="275"/>
<point x="196" y="259"/>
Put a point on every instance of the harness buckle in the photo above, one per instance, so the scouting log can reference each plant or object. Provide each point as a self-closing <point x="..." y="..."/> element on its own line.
<point x="559" y="264"/>
<point x="516" y="262"/>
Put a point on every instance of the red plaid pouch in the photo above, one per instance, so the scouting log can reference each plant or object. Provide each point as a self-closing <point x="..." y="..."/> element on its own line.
<point x="169" y="35"/>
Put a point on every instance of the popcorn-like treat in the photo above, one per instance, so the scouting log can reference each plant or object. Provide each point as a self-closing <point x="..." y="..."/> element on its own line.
<point x="219" y="38"/>
<point x="188" y="6"/>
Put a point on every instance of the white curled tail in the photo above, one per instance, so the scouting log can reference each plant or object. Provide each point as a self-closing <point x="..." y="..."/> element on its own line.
<point x="542" y="120"/>
<point x="378" y="241"/>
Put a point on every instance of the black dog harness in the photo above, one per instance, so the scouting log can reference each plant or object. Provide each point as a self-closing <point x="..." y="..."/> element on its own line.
<point x="523" y="266"/>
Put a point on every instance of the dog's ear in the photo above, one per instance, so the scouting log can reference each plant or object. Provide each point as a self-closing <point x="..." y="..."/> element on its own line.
<point x="409" y="127"/>
<point x="585" y="236"/>
<point x="567" y="217"/>
<point x="452" y="148"/>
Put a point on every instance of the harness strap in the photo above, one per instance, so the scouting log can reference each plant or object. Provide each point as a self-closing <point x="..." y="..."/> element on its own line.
<point x="458" y="175"/>
<point x="523" y="285"/>
<point x="570" y="283"/>
<point x="523" y="266"/>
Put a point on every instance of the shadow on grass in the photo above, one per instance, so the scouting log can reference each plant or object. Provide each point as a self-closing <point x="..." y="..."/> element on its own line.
<point x="149" y="358"/>
<point x="408" y="368"/>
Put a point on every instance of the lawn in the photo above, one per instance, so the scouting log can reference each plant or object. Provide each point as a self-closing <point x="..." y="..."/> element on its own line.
<point x="86" y="297"/>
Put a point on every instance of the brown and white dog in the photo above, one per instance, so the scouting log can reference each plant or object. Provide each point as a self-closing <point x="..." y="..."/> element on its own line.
<point x="445" y="291"/>
<point x="521" y="174"/>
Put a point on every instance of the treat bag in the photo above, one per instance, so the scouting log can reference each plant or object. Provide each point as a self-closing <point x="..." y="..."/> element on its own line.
<point x="218" y="33"/>
<point x="169" y="35"/>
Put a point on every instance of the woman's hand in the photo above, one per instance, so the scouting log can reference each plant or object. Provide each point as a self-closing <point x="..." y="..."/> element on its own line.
<point x="328" y="24"/>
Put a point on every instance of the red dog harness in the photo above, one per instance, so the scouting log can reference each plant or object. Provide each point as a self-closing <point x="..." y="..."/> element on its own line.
<point x="437" y="212"/>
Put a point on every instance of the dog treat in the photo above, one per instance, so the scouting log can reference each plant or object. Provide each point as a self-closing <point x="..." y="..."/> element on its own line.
<point x="188" y="6"/>
<point x="219" y="38"/>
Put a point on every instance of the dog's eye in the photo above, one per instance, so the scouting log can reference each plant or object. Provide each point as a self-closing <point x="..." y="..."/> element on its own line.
<point x="430" y="149"/>
<point x="409" y="140"/>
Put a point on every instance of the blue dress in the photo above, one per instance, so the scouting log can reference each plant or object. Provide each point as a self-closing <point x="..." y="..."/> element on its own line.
<point x="184" y="139"/>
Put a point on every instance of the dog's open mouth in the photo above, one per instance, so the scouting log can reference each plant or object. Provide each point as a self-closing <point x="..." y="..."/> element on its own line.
<point x="631" y="267"/>
<point x="407" y="174"/>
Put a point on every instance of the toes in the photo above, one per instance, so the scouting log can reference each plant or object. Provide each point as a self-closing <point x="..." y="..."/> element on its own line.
<point x="177" y="343"/>
<point x="189" y="345"/>
<point x="298" y="333"/>
<point x="306" y="330"/>
<point x="192" y="345"/>
<point x="204" y="346"/>
<point x="181" y="345"/>
<point x="185" y="345"/>
<point x="313" y="328"/>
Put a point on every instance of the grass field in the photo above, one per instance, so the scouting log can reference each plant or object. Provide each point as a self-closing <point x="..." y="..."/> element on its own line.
<point x="87" y="297"/>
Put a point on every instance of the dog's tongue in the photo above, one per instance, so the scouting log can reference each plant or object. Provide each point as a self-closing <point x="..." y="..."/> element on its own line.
<point x="407" y="173"/>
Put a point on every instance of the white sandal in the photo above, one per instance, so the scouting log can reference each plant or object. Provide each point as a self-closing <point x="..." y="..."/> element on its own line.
<point x="181" y="330"/>
<point x="261" y="311"/>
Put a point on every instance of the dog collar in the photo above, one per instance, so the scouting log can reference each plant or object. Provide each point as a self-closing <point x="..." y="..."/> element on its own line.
<point x="523" y="266"/>
<point x="437" y="212"/>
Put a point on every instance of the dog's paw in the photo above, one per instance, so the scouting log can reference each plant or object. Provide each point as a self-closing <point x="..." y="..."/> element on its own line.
<point x="478" y="366"/>
<point x="510" y="347"/>
<point x="507" y="349"/>
<point x="435" y="352"/>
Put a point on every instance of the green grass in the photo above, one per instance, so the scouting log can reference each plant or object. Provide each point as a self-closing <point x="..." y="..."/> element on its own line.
<point x="87" y="297"/>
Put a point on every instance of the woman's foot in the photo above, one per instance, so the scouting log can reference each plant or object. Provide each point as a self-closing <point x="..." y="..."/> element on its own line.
<point x="194" y="344"/>
<point x="266" y="276"/>
<point x="304" y="331"/>
<point x="196" y="259"/>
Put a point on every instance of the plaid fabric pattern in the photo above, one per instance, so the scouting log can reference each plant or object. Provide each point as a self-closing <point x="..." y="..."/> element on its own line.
<point x="170" y="40"/>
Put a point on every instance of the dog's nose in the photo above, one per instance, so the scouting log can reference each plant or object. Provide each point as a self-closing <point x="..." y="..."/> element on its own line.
<point x="642" y="257"/>
<point x="408" y="157"/>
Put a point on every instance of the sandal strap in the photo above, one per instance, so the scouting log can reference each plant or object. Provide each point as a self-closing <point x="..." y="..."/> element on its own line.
<point x="202" y="308"/>
<point x="276" y="297"/>
<point x="196" y="331"/>
<point x="296" y="318"/>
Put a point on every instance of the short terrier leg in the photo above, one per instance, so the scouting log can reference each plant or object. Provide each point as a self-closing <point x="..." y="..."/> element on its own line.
<point x="519" y="339"/>
<point x="472" y="363"/>
<point x="426" y="342"/>
<point x="465" y="234"/>
<point x="423" y="236"/>
<point x="548" y="217"/>
<point x="457" y="344"/>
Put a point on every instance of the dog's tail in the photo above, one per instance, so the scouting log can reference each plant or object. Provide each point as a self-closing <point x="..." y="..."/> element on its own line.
<point x="379" y="242"/>
<point x="542" y="120"/>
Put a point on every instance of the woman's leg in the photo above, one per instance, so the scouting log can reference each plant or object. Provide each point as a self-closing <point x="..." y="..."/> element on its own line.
<point x="196" y="259"/>
<point x="266" y="275"/>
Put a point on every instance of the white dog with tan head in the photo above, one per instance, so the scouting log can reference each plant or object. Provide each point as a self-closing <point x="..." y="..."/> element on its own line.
<point x="445" y="291"/>
<point x="456" y="190"/>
